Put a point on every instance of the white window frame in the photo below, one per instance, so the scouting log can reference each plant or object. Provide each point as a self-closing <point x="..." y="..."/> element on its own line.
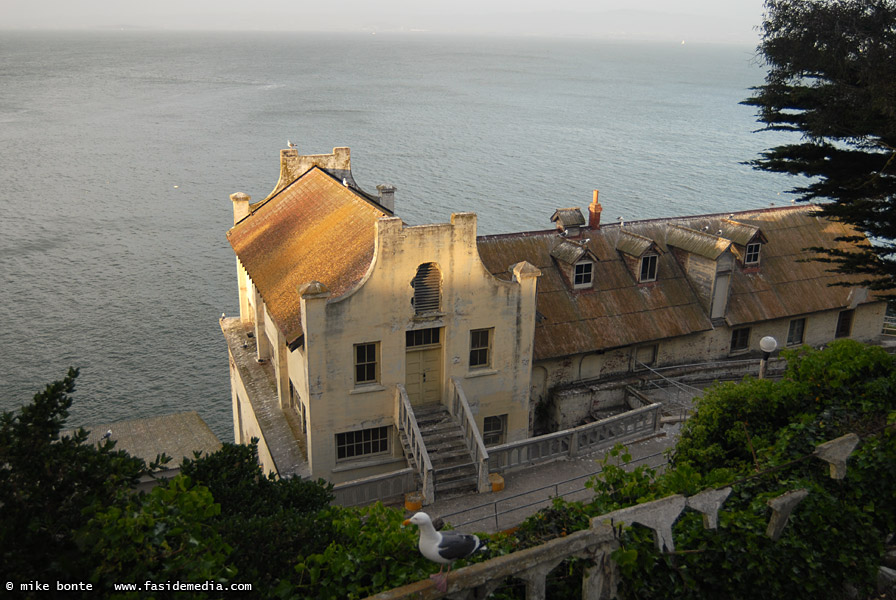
<point x="585" y="278"/>
<point x="751" y="254"/>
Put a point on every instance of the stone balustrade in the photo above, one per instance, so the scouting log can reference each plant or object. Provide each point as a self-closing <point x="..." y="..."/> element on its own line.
<point x="577" y="441"/>
<point x="597" y="542"/>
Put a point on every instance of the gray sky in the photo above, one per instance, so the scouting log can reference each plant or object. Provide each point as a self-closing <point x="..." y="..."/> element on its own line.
<point x="688" y="20"/>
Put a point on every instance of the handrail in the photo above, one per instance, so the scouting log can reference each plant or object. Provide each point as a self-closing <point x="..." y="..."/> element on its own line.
<point x="574" y="441"/>
<point x="460" y="409"/>
<point x="531" y="565"/>
<point x="408" y="423"/>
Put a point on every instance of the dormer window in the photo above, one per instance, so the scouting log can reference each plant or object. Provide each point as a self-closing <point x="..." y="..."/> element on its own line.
<point x="583" y="275"/>
<point x="751" y="256"/>
<point x="576" y="262"/>
<point x="648" y="268"/>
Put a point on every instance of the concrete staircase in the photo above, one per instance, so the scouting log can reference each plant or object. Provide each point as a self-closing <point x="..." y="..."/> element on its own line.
<point x="453" y="470"/>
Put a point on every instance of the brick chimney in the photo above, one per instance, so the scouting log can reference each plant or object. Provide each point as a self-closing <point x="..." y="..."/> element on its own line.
<point x="594" y="210"/>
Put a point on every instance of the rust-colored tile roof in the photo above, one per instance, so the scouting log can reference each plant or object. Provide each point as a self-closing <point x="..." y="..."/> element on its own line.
<point x="315" y="229"/>
<point x="620" y="312"/>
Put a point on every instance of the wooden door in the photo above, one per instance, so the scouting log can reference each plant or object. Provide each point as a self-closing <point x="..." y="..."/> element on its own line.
<point x="423" y="379"/>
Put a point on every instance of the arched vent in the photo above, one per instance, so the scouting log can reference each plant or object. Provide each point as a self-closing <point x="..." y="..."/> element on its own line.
<point x="427" y="286"/>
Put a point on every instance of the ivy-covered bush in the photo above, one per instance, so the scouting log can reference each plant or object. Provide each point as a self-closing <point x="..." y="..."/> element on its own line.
<point x="223" y="520"/>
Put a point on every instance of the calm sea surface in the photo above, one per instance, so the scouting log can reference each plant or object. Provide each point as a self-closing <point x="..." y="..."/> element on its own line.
<point x="118" y="152"/>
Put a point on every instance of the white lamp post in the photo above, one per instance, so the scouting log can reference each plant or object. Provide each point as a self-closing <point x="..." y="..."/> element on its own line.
<point x="767" y="345"/>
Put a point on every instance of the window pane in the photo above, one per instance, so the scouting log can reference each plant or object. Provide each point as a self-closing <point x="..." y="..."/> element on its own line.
<point x="795" y="333"/>
<point x="422" y="337"/>
<point x="365" y="363"/>
<point x="479" y="347"/>
<point x="740" y="339"/>
<point x="844" y="324"/>
<point x="359" y="443"/>
<point x="648" y="268"/>
<point x="583" y="273"/>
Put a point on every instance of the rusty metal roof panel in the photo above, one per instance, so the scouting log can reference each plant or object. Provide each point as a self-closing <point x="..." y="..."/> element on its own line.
<point x="313" y="230"/>
<point x="619" y="311"/>
<point x="569" y="251"/>
<point x="741" y="233"/>
<point x="568" y="217"/>
<point x="615" y="313"/>
<point x="633" y="244"/>
<point x="696" y="242"/>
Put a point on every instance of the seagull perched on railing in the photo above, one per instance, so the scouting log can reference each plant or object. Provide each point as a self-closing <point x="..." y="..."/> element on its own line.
<point x="443" y="547"/>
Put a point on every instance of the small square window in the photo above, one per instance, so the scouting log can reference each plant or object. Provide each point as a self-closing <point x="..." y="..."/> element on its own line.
<point x="751" y="256"/>
<point x="648" y="268"/>
<point x="480" y="346"/>
<point x="844" y="324"/>
<point x="363" y="442"/>
<point x="740" y="339"/>
<point x="366" y="363"/>
<point x="583" y="275"/>
<point x="493" y="430"/>
<point x="795" y="332"/>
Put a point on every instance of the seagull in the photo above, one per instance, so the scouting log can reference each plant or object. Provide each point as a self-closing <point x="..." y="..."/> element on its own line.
<point x="290" y="144"/>
<point x="443" y="547"/>
<point x="107" y="435"/>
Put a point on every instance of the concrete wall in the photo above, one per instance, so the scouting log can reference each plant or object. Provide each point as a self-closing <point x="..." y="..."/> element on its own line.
<point x="245" y="424"/>
<point x="569" y="408"/>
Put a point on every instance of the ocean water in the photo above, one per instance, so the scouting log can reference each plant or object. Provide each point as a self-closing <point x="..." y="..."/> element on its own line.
<point x="118" y="151"/>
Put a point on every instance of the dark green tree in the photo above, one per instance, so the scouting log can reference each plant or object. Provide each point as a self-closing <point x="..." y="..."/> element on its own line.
<point x="49" y="486"/>
<point x="832" y="79"/>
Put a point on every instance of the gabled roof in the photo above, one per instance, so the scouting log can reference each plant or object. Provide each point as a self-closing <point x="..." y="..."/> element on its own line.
<point x="696" y="242"/>
<point x="568" y="217"/>
<point x="571" y="252"/>
<point x="741" y="233"/>
<point x="314" y="229"/>
<point x="621" y="313"/>
<point x="635" y="245"/>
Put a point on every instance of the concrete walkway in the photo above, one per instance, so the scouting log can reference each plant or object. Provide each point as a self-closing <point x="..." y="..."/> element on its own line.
<point x="527" y="491"/>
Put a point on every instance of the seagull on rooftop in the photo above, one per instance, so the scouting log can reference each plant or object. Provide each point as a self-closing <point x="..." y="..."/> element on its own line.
<point x="443" y="547"/>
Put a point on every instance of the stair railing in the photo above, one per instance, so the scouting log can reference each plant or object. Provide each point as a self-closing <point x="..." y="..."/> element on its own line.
<point x="460" y="410"/>
<point x="408" y="423"/>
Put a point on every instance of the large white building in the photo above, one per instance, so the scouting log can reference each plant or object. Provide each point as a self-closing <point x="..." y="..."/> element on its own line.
<point x="365" y="346"/>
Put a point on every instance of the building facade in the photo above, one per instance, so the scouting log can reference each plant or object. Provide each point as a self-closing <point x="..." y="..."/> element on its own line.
<point x="346" y="313"/>
<point x="351" y="307"/>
